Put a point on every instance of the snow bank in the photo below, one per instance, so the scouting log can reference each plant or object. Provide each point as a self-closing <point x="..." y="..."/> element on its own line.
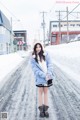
<point x="9" y="62"/>
<point x="67" y="57"/>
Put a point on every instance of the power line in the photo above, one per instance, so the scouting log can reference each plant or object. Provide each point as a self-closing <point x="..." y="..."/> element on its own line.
<point x="67" y="20"/>
<point x="71" y="11"/>
<point x="11" y="14"/>
<point x="8" y="10"/>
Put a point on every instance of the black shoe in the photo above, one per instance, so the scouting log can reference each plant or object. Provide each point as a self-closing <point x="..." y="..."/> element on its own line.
<point x="41" y="114"/>
<point x="46" y="114"/>
<point x="41" y="111"/>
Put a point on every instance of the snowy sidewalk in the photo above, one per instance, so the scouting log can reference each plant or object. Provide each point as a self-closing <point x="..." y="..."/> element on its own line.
<point x="9" y="63"/>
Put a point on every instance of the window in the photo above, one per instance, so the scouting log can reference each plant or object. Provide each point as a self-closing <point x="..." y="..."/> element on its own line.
<point x="53" y="39"/>
<point x="72" y="25"/>
<point x="65" y="24"/>
<point x="54" y="25"/>
<point x="78" y="25"/>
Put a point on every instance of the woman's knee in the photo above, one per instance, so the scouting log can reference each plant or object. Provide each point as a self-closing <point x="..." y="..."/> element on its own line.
<point x="45" y="90"/>
<point x="40" y="90"/>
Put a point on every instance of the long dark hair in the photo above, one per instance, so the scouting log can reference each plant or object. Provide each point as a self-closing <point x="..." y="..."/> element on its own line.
<point x="41" y="53"/>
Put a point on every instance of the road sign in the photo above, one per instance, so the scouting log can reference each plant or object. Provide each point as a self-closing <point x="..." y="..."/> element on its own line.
<point x="20" y="42"/>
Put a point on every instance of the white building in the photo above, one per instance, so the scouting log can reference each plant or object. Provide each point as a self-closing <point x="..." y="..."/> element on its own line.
<point x="63" y="31"/>
<point x="5" y="34"/>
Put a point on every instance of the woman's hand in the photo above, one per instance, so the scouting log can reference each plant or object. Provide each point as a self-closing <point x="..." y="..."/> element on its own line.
<point x="48" y="76"/>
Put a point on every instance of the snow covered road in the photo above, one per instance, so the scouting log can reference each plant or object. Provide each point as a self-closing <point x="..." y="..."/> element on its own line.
<point x="66" y="96"/>
<point x="19" y="96"/>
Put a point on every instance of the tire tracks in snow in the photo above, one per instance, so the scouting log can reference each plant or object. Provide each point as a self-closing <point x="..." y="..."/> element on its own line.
<point x="19" y="96"/>
<point x="66" y="97"/>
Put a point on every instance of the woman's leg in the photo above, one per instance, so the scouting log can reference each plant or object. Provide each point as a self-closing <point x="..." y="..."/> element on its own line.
<point x="45" y="106"/>
<point x="40" y="96"/>
<point x="41" y="102"/>
<point x="45" y="89"/>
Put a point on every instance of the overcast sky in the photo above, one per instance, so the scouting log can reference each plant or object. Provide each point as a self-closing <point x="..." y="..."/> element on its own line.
<point x="28" y="12"/>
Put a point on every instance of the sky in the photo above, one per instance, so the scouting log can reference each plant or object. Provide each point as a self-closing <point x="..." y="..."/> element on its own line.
<point x="64" y="56"/>
<point x="27" y="14"/>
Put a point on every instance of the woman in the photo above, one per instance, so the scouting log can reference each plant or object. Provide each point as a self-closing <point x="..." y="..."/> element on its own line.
<point x="42" y="68"/>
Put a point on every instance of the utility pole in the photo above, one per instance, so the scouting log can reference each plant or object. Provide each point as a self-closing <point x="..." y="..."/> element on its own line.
<point x="43" y="25"/>
<point x="59" y="25"/>
<point x="48" y="37"/>
<point x="67" y="20"/>
<point x="11" y="41"/>
<point x="50" y="32"/>
<point x="67" y="26"/>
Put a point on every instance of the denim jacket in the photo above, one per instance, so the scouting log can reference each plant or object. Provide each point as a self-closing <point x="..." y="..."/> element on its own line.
<point x="40" y="76"/>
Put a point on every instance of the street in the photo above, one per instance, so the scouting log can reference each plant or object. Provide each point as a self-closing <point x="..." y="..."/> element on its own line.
<point x="19" y="96"/>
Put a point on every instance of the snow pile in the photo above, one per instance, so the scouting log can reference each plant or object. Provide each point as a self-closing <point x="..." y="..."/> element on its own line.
<point x="9" y="62"/>
<point x="67" y="57"/>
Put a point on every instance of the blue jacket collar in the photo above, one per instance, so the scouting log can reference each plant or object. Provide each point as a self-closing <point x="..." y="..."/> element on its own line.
<point x="38" y="65"/>
<point x="33" y="56"/>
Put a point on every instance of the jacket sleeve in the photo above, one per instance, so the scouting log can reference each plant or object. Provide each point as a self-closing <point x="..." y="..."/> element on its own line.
<point x="49" y="65"/>
<point x="36" y="70"/>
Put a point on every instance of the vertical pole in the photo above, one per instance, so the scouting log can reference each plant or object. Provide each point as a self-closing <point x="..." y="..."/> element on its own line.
<point x="67" y="26"/>
<point x="59" y="28"/>
<point x="50" y="33"/>
<point x="43" y="30"/>
<point x="11" y="44"/>
<point x="43" y="24"/>
<point x="48" y="37"/>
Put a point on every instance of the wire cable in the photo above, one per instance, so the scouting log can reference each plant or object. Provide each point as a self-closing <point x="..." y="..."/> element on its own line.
<point x="71" y="11"/>
<point x="8" y="10"/>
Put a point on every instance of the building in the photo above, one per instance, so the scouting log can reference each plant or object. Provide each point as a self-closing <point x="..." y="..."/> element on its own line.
<point x="5" y="34"/>
<point x="63" y="31"/>
<point x="20" y="39"/>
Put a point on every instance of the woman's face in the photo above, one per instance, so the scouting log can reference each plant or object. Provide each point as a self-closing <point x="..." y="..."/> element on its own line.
<point x="38" y="48"/>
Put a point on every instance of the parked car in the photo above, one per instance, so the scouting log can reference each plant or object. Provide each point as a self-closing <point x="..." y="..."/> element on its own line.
<point x="77" y="38"/>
